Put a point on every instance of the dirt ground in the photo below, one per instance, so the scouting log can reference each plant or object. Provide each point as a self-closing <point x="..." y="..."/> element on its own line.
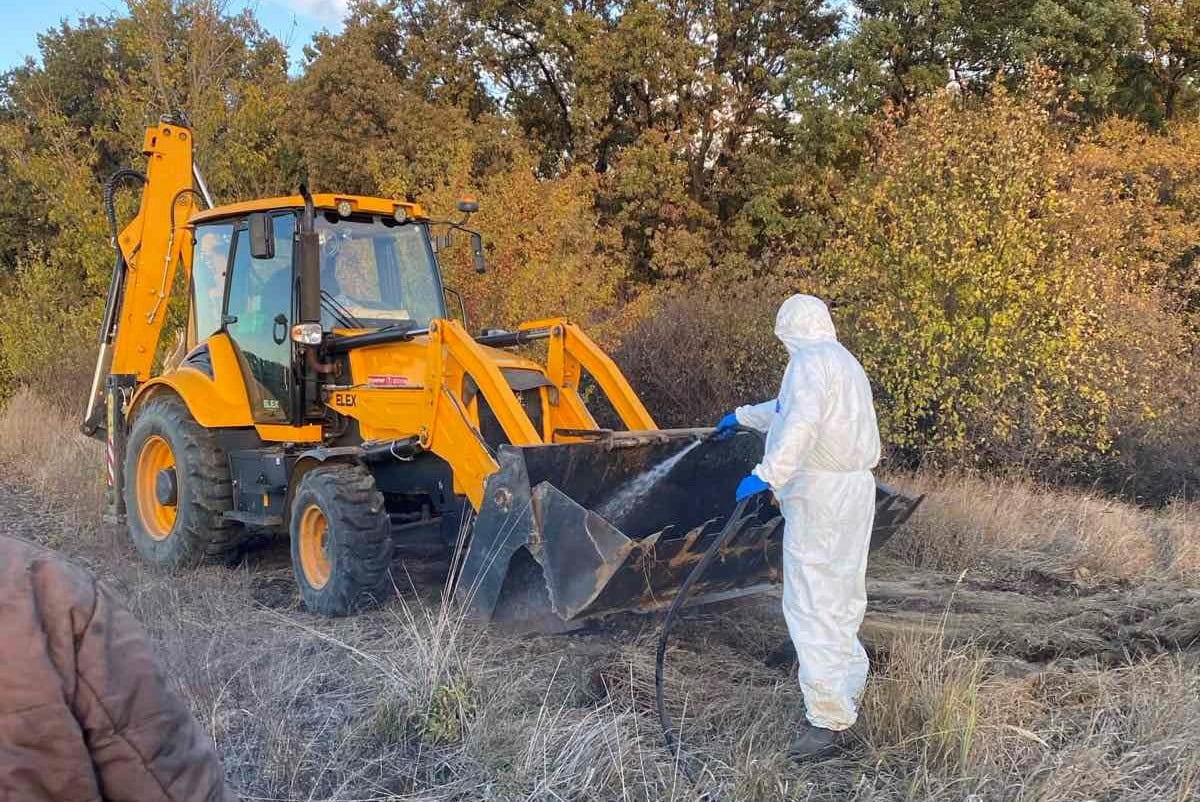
<point x="402" y="703"/>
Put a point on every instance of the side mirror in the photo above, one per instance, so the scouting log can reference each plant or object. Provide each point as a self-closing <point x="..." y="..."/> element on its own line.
<point x="477" y="252"/>
<point x="468" y="205"/>
<point x="262" y="235"/>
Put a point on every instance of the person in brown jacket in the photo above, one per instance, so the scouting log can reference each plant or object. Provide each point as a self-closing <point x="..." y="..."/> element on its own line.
<point x="85" y="712"/>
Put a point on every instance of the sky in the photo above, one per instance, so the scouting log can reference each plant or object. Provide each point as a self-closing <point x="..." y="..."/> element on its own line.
<point x="293" y="21"/>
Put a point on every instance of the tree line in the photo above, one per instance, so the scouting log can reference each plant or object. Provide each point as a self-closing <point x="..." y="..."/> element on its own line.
<point x="999" y="199"/>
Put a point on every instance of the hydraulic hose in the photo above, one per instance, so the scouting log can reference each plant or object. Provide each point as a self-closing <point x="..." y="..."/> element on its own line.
<point x="93" y="414"/>
<point x="110" y="193"/>
<point x="116" y="282"/>
<point x="736" y="519"/>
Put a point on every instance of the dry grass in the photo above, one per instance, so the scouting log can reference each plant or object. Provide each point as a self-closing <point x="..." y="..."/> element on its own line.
<point x="410" y="702"/>
<point x="969" y="522"/>
<point x="45" y="448"/>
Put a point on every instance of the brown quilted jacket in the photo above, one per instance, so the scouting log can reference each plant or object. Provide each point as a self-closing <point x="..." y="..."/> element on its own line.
<point x="85" y="713"/>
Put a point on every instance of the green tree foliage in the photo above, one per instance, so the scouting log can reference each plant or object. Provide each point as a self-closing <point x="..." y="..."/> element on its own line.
<point x="1162" y="80"/>
<point x="674" y="104"/>
<point x="366" y="117"/>
<point x="225" y="74"/>
<point x="901" y="50"/>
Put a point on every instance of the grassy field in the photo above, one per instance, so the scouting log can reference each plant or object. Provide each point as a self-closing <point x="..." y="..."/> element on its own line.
<point x="1028" y="644"/>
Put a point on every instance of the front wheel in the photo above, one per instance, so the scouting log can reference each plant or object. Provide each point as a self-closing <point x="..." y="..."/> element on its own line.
<point x="177" y="488"/>
<point x="341" y="541"/>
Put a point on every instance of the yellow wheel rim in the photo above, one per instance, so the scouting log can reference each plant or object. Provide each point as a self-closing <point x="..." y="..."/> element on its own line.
<point x="314" y="555"/>
<point x="157" y="518"/>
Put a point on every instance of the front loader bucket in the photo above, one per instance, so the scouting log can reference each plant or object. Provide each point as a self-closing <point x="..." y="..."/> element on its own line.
<point x="574" y="531"/>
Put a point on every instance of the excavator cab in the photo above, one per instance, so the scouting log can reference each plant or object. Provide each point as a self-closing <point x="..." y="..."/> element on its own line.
<point x="374" y="274"/>
<point x="326" y="396"/>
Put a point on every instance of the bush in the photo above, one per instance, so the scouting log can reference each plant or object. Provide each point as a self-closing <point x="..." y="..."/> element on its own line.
<point x="1155" y="458"/>
<point x="47" y="336"/>
<point x="702" y="352"/>
<point x="1001" y="295"/>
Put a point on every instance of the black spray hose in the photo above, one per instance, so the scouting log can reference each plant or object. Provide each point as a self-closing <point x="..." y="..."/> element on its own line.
<point x="734" y="523"/>
<point x="736" y="519"/>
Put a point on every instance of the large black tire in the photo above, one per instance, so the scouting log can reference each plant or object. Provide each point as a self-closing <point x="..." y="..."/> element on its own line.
<point x="341" y="541"/>
<point x="196" y="530"/>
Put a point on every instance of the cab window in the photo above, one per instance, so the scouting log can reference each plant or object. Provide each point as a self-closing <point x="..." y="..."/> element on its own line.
<point x="210" y="258"/>
<point x="375" y="273"/>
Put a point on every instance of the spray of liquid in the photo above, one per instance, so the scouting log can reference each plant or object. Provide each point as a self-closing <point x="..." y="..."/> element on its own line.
<point x="639" y="487"/>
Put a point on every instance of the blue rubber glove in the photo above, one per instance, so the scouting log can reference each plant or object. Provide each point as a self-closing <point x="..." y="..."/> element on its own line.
<point x="750" y="486"/>
<point x="726" y="425"/>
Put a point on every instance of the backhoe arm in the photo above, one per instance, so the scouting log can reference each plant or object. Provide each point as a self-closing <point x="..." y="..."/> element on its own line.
<point x="149" y="250"/>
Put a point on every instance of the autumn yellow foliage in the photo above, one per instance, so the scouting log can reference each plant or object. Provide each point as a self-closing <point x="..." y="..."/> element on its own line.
<point x="546" y="254"/>
<point x="1010" y="295"/>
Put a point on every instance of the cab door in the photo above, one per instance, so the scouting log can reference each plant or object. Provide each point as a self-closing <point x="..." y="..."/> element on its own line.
<point x="257" y="317"/>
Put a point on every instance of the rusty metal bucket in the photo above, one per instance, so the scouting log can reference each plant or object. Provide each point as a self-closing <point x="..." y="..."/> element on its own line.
<point x="574" y="531"/>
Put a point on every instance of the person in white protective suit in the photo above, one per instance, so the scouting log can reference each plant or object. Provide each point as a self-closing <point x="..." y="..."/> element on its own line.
<point x="822" y="442"/>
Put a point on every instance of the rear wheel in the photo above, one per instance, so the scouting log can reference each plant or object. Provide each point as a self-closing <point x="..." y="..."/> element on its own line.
<point x="177" y="488"/>
<point x="341" y="540"/>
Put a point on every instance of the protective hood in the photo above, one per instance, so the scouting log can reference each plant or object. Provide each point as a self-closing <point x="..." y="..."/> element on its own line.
<point x="802" y="321"/>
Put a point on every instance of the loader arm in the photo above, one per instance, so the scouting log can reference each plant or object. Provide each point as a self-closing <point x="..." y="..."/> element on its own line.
<point x="569" y="354"/>
<point x="447" y="423"/>
<point x="451" y="431"/>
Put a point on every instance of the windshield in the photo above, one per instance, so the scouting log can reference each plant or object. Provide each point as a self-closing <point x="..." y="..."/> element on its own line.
<point x="375" y="273"/>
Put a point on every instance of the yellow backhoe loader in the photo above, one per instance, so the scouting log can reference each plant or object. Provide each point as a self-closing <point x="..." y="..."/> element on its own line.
<point x="326" y="394"/>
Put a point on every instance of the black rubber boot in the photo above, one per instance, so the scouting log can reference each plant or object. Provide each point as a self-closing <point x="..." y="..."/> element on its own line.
<point x="816" y="743"/>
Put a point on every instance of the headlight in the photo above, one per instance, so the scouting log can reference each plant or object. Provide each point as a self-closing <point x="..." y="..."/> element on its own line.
<point x="401" y="214"/>
<point x="344" y="208"/>
<point x="307" y="333"/>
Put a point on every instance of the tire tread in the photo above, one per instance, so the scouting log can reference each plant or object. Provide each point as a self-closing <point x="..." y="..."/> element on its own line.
<point x="354" y="509"/>
<point x="203" y="474"/>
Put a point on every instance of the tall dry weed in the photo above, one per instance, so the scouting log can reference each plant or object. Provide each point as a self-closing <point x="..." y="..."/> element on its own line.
<point x="1017" y="524"/>
<point x="44" y="448"/>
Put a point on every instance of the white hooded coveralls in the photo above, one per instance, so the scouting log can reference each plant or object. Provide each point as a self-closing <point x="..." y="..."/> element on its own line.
<point x="822" y="442"/>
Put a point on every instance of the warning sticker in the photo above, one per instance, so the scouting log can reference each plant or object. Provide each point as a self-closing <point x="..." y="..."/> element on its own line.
<point x="388" y="380"/>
